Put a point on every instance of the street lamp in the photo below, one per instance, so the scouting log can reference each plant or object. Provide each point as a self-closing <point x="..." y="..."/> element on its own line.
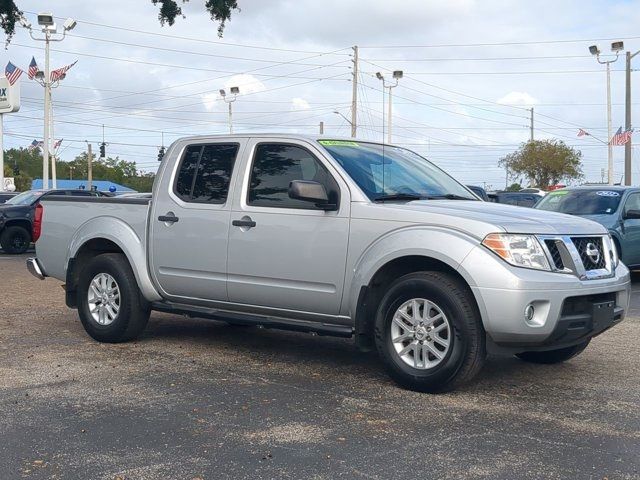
<point x="346" y="119"/>
<point x="230" y="99"/>
<point x="616" y="47"/>
<point x="49" y="29"/>
<point x="397" y="75"/>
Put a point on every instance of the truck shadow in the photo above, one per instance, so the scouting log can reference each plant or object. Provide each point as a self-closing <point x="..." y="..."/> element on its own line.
<point x="310" y="353"/>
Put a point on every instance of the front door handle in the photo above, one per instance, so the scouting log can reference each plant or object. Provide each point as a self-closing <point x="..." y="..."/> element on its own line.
<point x="168" y="218"/>
<point x="245" y="222"/>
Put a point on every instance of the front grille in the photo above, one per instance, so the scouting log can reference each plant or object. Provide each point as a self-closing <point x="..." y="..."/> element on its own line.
<point x="591" y="252"/>
<point x="555" y="254"/>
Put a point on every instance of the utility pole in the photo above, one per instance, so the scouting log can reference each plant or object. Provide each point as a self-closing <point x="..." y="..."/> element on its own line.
<point x="71" y="167"/>
<point x="47" y="114"/>
<point x="321" y="128"/>
<point x="354" y="94"/>
<point x="627" y="119"/>
<point x="531" y="110"/>
<point x="89" y="168"/>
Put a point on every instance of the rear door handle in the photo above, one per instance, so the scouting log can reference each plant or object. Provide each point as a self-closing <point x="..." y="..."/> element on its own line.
<point x="169" y="218"/>
<point x="243" y="223"/>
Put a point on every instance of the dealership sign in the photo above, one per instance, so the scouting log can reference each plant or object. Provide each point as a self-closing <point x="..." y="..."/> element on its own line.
<point x="9" y="96"/>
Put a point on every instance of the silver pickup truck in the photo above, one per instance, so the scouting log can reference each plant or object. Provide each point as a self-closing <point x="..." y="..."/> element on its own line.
<point x="336" y="237"/>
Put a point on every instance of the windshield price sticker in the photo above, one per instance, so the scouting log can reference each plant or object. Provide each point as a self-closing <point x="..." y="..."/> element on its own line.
<point x="559" y="192"/>
<point x="607" y="193"/>
<point x="335" y="143"/>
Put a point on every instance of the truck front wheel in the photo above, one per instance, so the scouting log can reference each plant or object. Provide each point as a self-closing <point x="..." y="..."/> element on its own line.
<point x="429" y="333"/>
<point x="554" y="356"/>
<point x="110" y="305"/>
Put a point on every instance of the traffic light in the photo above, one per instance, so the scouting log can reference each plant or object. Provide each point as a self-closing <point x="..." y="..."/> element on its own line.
<point x="160" y="154"/>
<point x="102" y="150"/>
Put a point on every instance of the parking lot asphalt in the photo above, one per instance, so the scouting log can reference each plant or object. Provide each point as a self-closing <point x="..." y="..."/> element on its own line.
<point x="198" y="399"/>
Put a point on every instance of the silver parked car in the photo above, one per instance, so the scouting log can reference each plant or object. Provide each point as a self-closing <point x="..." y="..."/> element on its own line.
<point x="336" y="237"/>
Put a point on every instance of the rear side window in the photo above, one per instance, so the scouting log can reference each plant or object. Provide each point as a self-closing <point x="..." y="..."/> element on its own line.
<point x="205" y="173"/>
<point x="275" y="165"/>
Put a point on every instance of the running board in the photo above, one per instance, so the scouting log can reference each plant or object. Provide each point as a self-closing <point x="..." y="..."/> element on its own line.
<point x="256" y="320"/>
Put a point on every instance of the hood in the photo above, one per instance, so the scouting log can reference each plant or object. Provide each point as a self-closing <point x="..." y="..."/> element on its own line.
<point x="480" y="218"/>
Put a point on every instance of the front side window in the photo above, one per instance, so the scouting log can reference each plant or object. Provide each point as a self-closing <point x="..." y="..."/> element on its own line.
<point x="205" y="173"/>
<point x="633" y="202"/>
<point x="385" y="172"/>
<point x="275" y="166"/>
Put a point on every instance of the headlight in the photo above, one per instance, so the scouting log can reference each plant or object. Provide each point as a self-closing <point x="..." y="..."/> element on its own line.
<point x="519" y="250"/>
<point x="615" y="255"/>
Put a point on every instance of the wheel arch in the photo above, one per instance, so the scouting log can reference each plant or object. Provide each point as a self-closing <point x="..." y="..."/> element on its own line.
<point x="115" y="237"/>
<point x="19" y="222"/>
<point x="383" y="262"/>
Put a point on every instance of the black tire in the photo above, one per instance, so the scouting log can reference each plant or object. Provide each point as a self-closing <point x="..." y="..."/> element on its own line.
<point x="133" y="314"/>
<point x="554" y="356"/>
<point x="467" y="351"/>
<point x="15" y="240"/>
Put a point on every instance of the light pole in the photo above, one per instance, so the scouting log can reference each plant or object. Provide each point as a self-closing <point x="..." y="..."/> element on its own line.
<point x="627" y="118"/>
<point x="49" y="29"/>
<point x="346" y="119"/>
<point x="616" y="47"/>
<point x="229" y="100"/>
<point x="397" y="75"/>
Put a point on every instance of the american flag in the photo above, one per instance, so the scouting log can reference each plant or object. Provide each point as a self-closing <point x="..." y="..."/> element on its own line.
<point x="12" y="73"/>
<point x="33" y="68"/>
<point x="35" y="144"/>
<point x="620" y="138"/>
<point x="582" y="133"/>
<point x="58" y="73"/>
<point x="57" y="143"/>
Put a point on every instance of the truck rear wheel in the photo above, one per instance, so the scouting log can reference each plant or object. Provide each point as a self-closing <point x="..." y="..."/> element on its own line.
<point x="15" y="240"/>
<point x="110" y="305"/>
<point x="554" y="356"/>
<point x="429" y="333"/>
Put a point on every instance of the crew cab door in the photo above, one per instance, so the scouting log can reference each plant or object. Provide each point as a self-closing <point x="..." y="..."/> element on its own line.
<point x="189" y="222"/>
<point x="286" y="253"/>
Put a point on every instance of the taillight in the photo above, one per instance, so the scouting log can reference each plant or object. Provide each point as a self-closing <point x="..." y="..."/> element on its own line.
<point x="37" y="222"/>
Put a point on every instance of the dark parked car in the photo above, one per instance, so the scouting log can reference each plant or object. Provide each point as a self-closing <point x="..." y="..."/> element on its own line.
<point x="615" y="207"/>
<point x="16" y="217"/>
<point x="521" y="199"/>
<point x="4" y="196"/>
<point x="479" y="191"/>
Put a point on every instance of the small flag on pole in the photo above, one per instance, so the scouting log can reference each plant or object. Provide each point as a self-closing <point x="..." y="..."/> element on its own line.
<point x="60" y="72"/>
<point x="33" y="69"/>
<point x="621" y="137"/>
<point x="35" y="144"/>
<point x="12" y="73"/>
<point x="57" y="143"/>
<point x="582" y="133"/>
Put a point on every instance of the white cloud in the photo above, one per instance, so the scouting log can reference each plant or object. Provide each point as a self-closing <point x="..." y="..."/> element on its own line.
<point x="518" y="98"/>
<point x="299" y="104"/>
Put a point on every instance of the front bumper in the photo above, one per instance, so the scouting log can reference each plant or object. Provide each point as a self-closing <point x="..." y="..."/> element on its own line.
<point x="566" y="310"/>
<point x="35" y="269"/>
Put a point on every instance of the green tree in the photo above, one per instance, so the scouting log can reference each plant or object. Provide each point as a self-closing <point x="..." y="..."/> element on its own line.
<point x="514" y="187"/>
<point x="544" y="162"/>
<point x="219" y="10"/>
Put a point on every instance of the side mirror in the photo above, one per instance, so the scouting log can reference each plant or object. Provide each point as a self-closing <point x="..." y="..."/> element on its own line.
<point x="631" y="214"/>
<point x="313" y="192"/>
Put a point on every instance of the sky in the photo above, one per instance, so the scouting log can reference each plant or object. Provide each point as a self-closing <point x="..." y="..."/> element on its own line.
<point x="472" y="69"/>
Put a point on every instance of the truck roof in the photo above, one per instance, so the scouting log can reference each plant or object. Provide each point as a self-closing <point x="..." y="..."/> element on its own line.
<point x="291" y="136"/>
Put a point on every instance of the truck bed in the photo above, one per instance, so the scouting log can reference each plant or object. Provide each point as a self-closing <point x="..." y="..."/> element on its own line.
<point x="67" y="219"/>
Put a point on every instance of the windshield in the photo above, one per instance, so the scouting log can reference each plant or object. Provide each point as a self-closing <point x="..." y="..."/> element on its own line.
<point x="387" y="172"/>
<point x="25" y="198"/>
<point x="581" y="202"/>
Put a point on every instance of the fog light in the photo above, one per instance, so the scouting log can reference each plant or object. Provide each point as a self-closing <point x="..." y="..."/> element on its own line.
<point x="529" y="312"/>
